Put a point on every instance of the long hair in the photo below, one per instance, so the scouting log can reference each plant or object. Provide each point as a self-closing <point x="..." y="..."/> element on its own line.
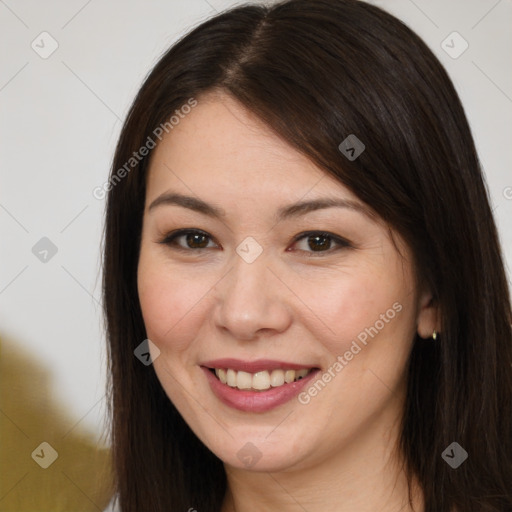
<point x="316" y="71"/>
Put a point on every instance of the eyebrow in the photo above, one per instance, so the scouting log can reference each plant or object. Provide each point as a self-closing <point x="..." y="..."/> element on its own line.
<point x="283" y="213"/>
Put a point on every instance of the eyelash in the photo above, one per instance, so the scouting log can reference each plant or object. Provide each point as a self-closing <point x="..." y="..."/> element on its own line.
<point x="170" y="241"/>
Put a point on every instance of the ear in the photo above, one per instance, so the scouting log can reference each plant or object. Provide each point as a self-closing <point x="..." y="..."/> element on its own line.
<point x="428" y="318"/>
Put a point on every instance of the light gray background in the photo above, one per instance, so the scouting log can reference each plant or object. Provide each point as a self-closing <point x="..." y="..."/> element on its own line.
<point x="61" y="116"/>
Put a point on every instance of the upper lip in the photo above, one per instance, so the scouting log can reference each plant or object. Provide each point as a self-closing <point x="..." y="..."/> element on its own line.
<point x="258" y="365"/>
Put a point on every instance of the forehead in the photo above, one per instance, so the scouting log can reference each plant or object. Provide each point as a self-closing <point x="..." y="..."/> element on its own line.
<point x="220" y="148"/>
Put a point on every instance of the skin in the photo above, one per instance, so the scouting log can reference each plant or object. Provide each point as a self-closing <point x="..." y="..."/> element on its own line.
<point x="296" y="302"/>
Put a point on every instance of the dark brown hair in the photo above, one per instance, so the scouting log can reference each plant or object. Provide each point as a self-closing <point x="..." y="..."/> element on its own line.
<point x="316" y="71"/>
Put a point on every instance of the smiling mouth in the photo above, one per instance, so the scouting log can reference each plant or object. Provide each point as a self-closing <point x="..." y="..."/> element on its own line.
<point x="259" y="381"/>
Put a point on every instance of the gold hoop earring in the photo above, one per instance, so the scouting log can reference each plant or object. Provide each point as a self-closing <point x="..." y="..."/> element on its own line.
<point x="434" y="335"/>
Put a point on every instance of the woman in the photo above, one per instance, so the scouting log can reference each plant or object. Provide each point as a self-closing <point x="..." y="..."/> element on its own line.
<point x="299" y="239"/>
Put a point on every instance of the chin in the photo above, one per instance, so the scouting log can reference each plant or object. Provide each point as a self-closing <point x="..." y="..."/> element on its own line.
<point x="254" y="453"/>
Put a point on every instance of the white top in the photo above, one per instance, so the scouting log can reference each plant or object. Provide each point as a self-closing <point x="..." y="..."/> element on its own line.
<point x="111" y="507"/>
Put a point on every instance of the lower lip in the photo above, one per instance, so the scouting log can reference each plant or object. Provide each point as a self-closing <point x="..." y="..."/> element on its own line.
<point x="256" y="401"/>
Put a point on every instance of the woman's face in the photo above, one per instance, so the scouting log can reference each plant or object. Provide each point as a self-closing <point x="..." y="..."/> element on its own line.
<point x="246" y="269"/>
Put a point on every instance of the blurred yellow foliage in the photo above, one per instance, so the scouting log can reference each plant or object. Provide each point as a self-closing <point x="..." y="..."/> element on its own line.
<point x="80" y="477"/>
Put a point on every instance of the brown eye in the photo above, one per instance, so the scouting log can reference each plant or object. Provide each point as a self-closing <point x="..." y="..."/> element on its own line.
<point x="320" y="242"/>
<point x="188" y="239"/>
<point x="196" y="240"/>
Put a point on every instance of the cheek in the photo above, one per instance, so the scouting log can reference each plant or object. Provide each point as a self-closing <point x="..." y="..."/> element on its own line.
<point x="374" y="309"/>
<point x="170" y="304"/>
<point x="354" y="301"/>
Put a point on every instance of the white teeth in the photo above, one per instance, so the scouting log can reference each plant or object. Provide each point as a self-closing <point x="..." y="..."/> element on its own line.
<point x="221" y="374"/>
<point x="231" y="378"/>
<point x="243" y="380"/>
<point x="276" y="378"/>
<point x="301" y="374"/>
<point x="289" y="376"/>
<point x="259" y="381"/>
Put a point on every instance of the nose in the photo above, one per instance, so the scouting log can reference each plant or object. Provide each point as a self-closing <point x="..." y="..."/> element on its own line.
<point x="252" y="301"/>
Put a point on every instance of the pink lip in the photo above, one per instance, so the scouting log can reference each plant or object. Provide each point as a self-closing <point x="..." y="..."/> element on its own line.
<point x="253" y="366"/>
<point x="255" y="401"/>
